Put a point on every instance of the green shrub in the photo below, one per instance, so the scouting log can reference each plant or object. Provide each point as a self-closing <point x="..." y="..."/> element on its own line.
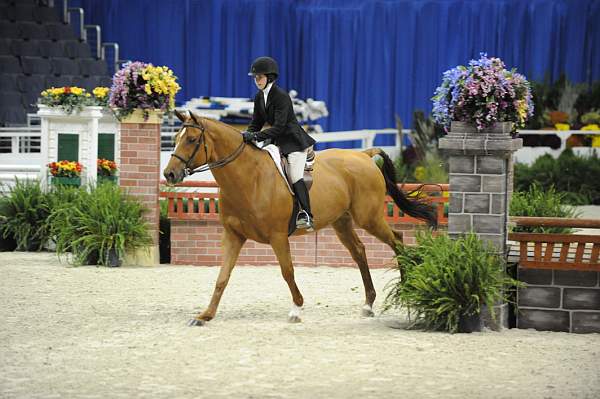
<point x="24" y="214"/>
<point x="442" y="280"/>
<point x="96" y="221"/>
<point x="575" y="176"/>
<point x="539" y="203"/>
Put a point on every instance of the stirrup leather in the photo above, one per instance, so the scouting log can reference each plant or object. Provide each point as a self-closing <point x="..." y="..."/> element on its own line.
<point x="303" y="221"/>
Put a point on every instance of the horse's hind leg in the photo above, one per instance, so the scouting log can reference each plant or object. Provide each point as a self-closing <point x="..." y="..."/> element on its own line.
<point x="345" y="232"/>
<point x="378" y="227"/>
<point x="281" y="247"/>
<point x="232" y="244"/>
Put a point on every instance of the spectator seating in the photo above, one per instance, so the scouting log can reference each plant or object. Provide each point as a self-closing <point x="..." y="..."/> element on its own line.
<point x="38" y="51"/>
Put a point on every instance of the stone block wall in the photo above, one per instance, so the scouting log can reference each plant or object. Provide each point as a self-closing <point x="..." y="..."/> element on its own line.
<point x="559" y="300"/>
<point x="478" y="191"/>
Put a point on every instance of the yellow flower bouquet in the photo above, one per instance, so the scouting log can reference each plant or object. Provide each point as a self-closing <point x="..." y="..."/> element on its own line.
<point x="72" y="99"/>
<point x="101" y="96"/>
<point x="68" y="98"/>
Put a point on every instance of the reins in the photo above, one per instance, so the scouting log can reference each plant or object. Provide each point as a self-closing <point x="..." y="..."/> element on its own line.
<point x="209" y="165"/>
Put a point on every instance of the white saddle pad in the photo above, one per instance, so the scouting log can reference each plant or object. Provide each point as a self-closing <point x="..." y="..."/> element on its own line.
<point x="273" y="151"/>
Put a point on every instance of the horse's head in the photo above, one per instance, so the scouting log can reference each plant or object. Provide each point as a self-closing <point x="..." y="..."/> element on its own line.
<point x="192" y="148"/>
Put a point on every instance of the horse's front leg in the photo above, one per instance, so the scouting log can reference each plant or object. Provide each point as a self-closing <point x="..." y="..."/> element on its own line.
<point x="231" y="244"/>
<point x="281" y="247"/>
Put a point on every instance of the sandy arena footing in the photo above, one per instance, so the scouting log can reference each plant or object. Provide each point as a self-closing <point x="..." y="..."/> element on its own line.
<point x="90" y="332"/>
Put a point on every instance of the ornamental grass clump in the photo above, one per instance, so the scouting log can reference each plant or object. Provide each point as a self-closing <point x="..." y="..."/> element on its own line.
<point x="442" y="281"/>
<point x="23" y="215"/>
<point x="482" y="94"/>
<point x="99" y="221"/>
<point x="538" y="202"/>
<point x="143" y="86"/>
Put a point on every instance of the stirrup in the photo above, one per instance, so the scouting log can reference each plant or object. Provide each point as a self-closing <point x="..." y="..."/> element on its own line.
<point x="303" y="221"/>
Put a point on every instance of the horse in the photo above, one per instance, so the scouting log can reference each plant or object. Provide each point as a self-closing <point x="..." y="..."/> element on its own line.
<point x="255" y="203"/>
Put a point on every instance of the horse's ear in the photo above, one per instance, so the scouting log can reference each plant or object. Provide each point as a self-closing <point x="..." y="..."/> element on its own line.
<point x="194" y="118"/>
<point x="180" y="116"/>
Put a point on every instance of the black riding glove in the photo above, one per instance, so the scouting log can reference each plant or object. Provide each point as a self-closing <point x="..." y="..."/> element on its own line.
<point x="248" y="136"/>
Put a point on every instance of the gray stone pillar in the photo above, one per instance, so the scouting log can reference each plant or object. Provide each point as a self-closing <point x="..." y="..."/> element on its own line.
<point x="480" y="183"/>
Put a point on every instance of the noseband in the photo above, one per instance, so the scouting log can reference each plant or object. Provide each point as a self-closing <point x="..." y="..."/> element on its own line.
<point x="209" y="165"/>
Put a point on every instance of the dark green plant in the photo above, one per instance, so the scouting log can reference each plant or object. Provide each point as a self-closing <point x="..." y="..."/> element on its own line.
<point x="546" y="97"/>
<point x="25" y="209"/>
<point x="575" y="176"/>
<point x="589" y="99"/>
<point x="97" y="221"/>
<point x="539" y="203"/>
<point x="443" y="279"/>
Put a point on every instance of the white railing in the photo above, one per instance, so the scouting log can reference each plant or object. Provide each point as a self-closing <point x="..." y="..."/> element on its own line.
<point x="9" y="173"/>
<point x="16" y="140"/>
<point x="528" y="155"/>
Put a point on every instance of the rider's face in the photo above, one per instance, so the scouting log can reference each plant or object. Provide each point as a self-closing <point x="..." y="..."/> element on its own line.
<point x="261" y="81"/>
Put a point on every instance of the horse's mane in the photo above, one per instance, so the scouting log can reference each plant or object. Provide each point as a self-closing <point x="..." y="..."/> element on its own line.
<point x="222" y="124"/>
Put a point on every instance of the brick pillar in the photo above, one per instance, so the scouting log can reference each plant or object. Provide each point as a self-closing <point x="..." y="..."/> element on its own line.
<point x="481" y="184"/>
<point x="139" y="175"/>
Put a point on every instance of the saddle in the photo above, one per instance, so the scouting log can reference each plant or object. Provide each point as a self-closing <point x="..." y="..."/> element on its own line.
<point x="281" y="163"/>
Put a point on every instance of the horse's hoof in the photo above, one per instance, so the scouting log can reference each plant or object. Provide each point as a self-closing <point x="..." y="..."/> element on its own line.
<point x="294" y="319"/>
<point x="196" y="323"/>
<point x="367" y="311"/>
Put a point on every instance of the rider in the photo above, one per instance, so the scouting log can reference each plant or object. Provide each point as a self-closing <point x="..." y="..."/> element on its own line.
<point x="274" y="106"/>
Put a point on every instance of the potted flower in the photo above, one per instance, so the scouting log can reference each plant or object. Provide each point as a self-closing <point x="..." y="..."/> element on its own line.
<point x="107" y="170"/>
<point x="141" y="88"/>
<point x="446" y="284"/>
<point x="66" y="173"/>
<point x="69" y="98"/>
<point x="483" y="97"/>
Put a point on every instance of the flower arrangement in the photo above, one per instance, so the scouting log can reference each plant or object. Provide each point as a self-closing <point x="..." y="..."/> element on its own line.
<point x="106" y="167"/>
<point x="65" y="169"/>
<point x="482" y="93"/>
<point x="144" y="86"/>
<point x="72" y="99"/>
<point x="68" y="98"/>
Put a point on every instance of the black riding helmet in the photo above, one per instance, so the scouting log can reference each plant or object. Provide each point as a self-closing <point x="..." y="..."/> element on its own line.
<point x="265" y="66"/>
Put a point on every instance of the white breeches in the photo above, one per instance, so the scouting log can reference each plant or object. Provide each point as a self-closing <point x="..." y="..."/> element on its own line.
<point x="296" y="161"/>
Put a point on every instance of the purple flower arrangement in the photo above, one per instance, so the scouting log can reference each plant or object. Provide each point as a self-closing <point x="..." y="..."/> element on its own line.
<point x="138" y="85"/>
<point x="482" y="93"/>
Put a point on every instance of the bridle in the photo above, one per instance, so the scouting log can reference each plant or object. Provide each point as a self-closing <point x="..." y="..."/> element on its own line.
<point x="209" y="165"/>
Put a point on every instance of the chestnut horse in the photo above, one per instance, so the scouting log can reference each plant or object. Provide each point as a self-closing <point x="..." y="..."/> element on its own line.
<point x="254" y="202"/>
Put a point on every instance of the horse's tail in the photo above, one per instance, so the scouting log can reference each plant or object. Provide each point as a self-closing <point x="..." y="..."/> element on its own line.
<point x="414" y="208"/>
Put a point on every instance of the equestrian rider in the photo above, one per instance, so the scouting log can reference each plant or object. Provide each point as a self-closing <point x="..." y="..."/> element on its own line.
<point x="273" y="105"/>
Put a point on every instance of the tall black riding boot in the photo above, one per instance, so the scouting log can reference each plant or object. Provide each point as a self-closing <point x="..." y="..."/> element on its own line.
<point x="305" y="219"/>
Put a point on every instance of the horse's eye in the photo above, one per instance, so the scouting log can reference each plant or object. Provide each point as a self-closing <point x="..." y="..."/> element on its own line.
<point x="191" y="139"/>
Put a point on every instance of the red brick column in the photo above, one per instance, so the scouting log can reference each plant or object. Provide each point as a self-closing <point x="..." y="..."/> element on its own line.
<point x="139" y="175"/>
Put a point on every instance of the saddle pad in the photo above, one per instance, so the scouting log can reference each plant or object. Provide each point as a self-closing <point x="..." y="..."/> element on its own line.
<point x="273" y="151"/>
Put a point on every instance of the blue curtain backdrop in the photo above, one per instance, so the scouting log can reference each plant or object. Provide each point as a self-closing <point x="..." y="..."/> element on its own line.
<point x="367" y="59"/>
